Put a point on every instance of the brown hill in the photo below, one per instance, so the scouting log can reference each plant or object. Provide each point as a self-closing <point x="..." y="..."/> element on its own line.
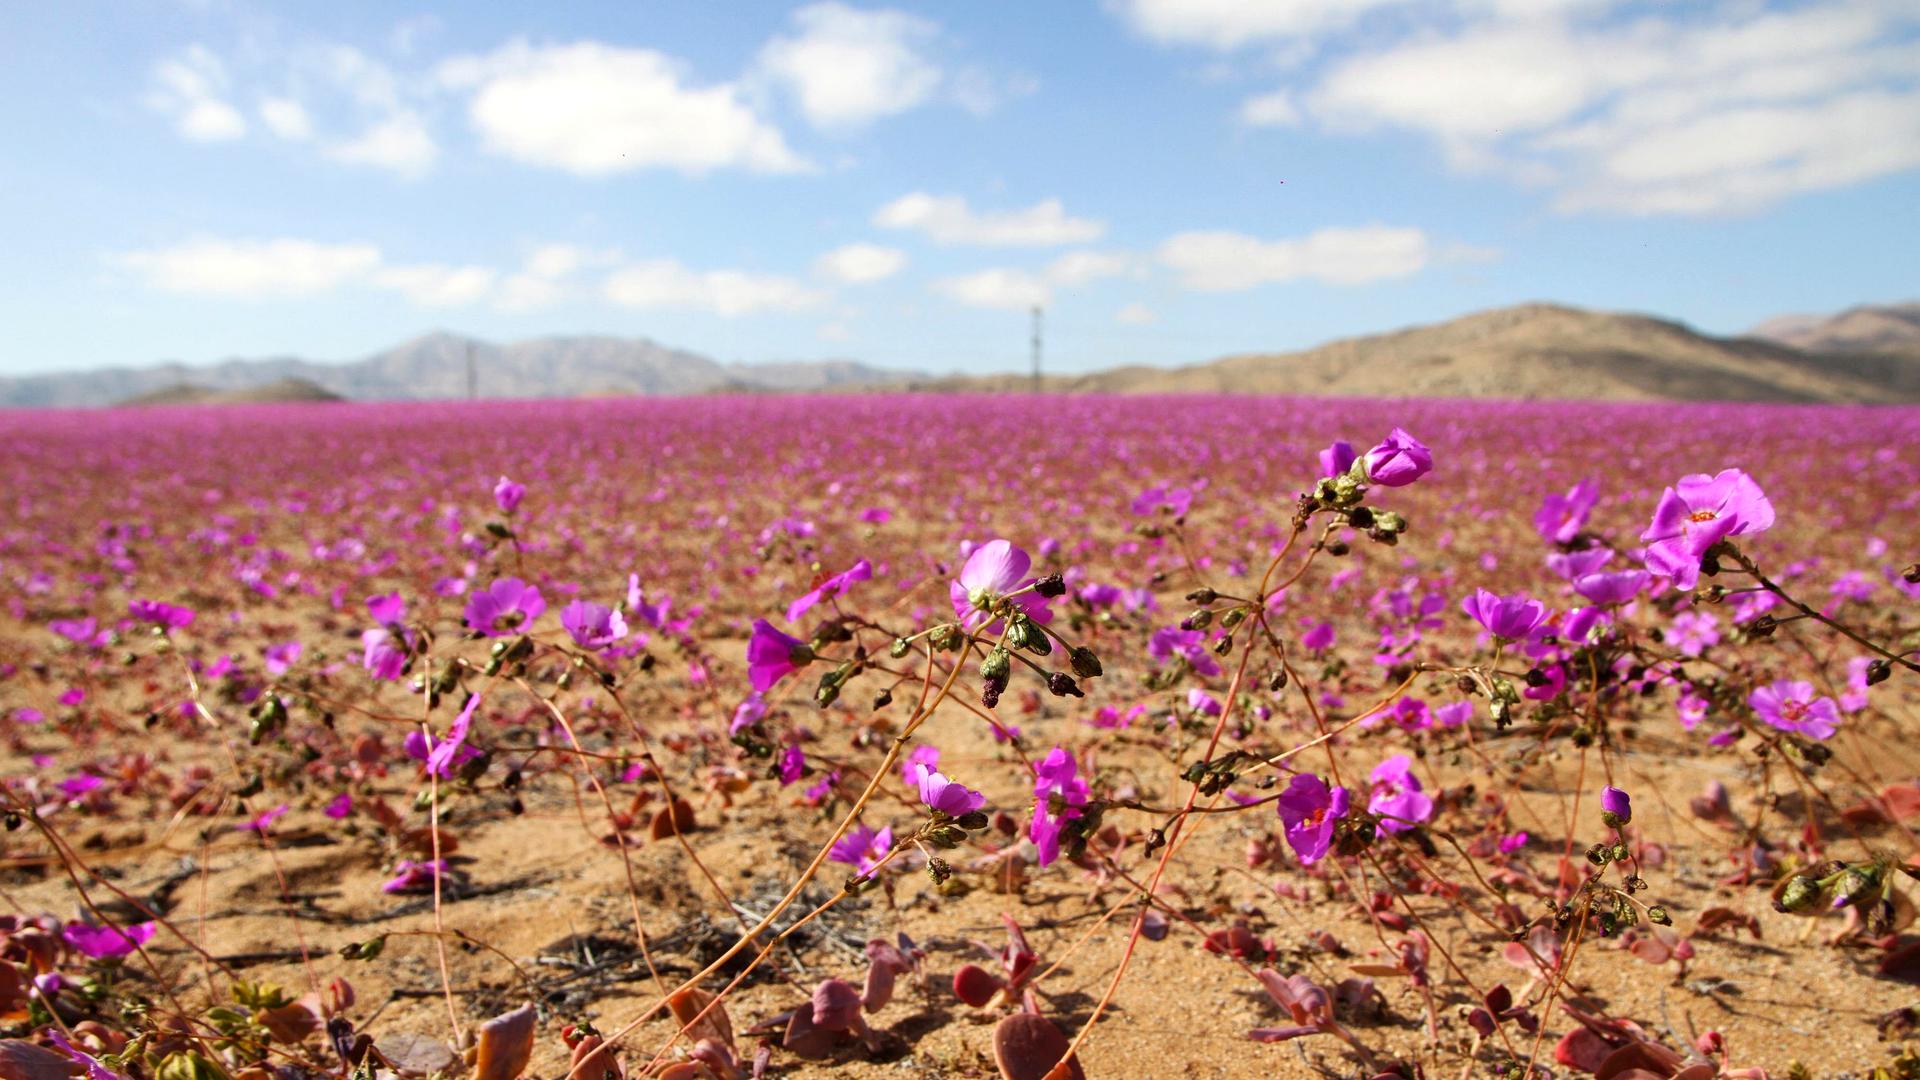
<point x="279" y="390"/>
<point x="1529" y="351"/>
<point x="1869" y="328"/>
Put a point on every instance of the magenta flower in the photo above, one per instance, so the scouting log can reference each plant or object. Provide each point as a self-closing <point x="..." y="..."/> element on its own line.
<point x="593" y="626"/>
<point x="280" y="658"/>
<point x="1616" y="807"/>
<point x="508" y="494"/>
<point x="1512" y="842"/>
<point x="79" y="631"/>
<point x="793" y="765"/>
<point x="1513" y="618"/>
<point x="1309" y="809"/>
<point x="1792" y="705"/>
<point x="443" y="757"/>
<point x="748" y="713"/>
<point x="1203" y="703"/>
<point x="415" y="876"/>
<point x="1059" y="792"/>
<point x="772" y="655"/>
<point x="1397" y="796"/>
<point x="388" y="610"/>
<point x="1697" y="513"/>
<point x="1574" y="565"/>
<point x="947" y="796"/>
<point x="862" y="848"/>
<point x="834" y="586"/>
<point x="995" y="569"/>
<point x="504" y="607"/>
<point x="385" y="655"/>
<point x="1612" y="589"/>
<point x="106" y="942"/>
<point x="1399" y="460"/>
<point x="165" y="616"/>
<point x="1336" y="459"/>
<point x="263" y="823"/>
<point x="1170" y="642"/>
<point x="1318" y="638"/>
<point x="1561" y="517"/>
<point x="919" y="755"/>
<point x="340" y="807"/>
<point x="1173" y="500"/>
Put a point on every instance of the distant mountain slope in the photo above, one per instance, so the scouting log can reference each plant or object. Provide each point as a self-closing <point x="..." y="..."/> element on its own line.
<point x="1528" y="351"/>
<point x="435" y="366"/>
<point x="1870" y="328"/>
<point x="290" y="389"/>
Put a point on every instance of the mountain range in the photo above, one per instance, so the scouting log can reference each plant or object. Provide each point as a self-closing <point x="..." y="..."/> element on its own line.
<point x="1868" y="354"/>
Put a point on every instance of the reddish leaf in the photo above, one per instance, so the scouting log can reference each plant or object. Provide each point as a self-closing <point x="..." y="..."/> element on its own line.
<point x="975" y="986"/>
<point x="506" y="1045"/>
<point x="1026" y="1046"/>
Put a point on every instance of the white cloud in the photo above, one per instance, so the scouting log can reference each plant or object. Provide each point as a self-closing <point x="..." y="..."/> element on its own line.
<point x="849" y="67"/>
<point x="1275" y="109"/>
<point x="560" y="260"/>
<point x="1222" y="261"/>
<point x="595" y="109"/>
<point x="1009" y="288"/>
<point x="664" y="283"/>
<point x="250" y="269"/>
<point x="1135" y="315"/>
<point x="547" y="276"/>
<point x="436" y="285"/>
<point x="527" y="292"/>
<point x="857" y="264"/>
<point x="996" y="288"/>
<point x="286" y="118"/>
<point x="1230" y="24"/>
<point x="399" y="144"/>
<point x="1713" y="110"/>
<point x="190" y="90"/>
<point x="947" y="219"/>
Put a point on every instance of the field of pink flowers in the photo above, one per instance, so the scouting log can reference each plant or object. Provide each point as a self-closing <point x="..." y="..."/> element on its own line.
<point x="959" y="736"/>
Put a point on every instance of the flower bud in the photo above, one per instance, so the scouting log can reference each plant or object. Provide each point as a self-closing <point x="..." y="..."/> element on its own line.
<point x="1878" y="672"/>
<point x="1060" y="684"/>
<point x="1857" y="885"/>
<point x="1084" y="662"/>
<point x="996" y="665"/>
<point x="1659" y="917"/>
<point x="1051" y="586"/>
<point x="945" y="836"/>
<point x="899" y="648"/>
<point x="973" y="820"/>
<point x="1799" y="894"/>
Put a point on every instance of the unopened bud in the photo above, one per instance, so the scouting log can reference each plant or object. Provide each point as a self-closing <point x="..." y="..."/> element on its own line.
<point x="1060" y="684"/>
<point x="1051" y="586"/>
<point x="1659" y="917"/>
<point x="1084" y="662"/>
<point x="1800" y="893"/>
<point x="996" y="665"/>
<point x="973" y="820"/>
<point x="1878" y="672"/>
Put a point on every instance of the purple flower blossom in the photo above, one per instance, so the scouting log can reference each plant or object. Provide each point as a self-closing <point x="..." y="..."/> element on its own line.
<point x="413" y="876"/>
<point x="1318" y="638"/>
<point x="388" y="610"/>
<point x="1616" y="807"/>
<point x="280" y="658"/>
<point x="772" y="655"/>
<point x="1697" y="513"/>
<point x="593" y="626"/>
<point x="1309" y="809"/>
<point x="165" y="616"/>
<point x="1561" y="517"/>
<point x="793" y="764"/>
<point x="504" y="607"/>
<point x="995" y="569"/>
<point x="1399" y="460"/>
<point x="508" y="494"/>
<point x="263" y="823"/>
<point x="748" y="713"/>
<point x="1612" y="589"/>
<point x="1397" y="795"/>
<point x="1059" y="792"/>
<point x="1203" y="703"/>
<point x="1793" y="705"/>
<point x="1513" y="618"/>
<point x="340" y="807"/>
<point x="919" y="755"/>
<point x="862" y="848"/>
<point x="1170" y="642"/>
<point x="1512" y="842"/>
<point x="444" y="757"/>
<point x="1336" y="459"/>
<point x="1573" y="565"/>
<point x="106" y="942"/>
<point x="830" y="588"/>
<point x="947" y="796"/>
<point x="385" y="656"/>
<point x="1693" y="632"/>
<point x="1173" y="500"/>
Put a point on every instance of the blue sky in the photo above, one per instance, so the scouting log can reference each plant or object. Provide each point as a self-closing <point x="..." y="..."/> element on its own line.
<point x="1172" y="179"/>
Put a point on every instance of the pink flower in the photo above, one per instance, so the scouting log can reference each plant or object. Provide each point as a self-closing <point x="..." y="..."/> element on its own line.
<point x="1309" y="808"/>
<point x="1697" y="513"/>
<point x="443" y="757"/>
<point x="1399" y="460"/>
<point x="385" y="655"/>
<point x="772" y="655"/>
<point x="1058" y="795"/>
<point x="993" y="570"/>
<point x="165" y="616"/>
<point x="106" y="942"/>
<point x="1561" y="517"/>
<point x="504" y="607"/>
<point x="1397" y="796"/>
<point x="862" y="848"/>
<point x="830" y="588"/>
<point x="1612" y="589"/>
<point x="919" y="755"/>
<point x="280" y="658"/>
<point x="1513" y="618"/>
<point x="947" y="796"/>
<point x="1336" y="459"/>
<point x="507" y="495"/>
<point x="748" y="713"/>
<point x="593" y="626"/>
<point x="263" y="823"/>
<point x="1792" y="705"/>
<point x="793" y="765"/>
<point x="415" y="877"/>
<point x="340" y="807"/>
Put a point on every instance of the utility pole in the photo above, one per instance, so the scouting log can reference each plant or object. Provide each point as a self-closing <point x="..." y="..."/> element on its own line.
<point x="473" y="375"/>
<point x="1036" y="348"/>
